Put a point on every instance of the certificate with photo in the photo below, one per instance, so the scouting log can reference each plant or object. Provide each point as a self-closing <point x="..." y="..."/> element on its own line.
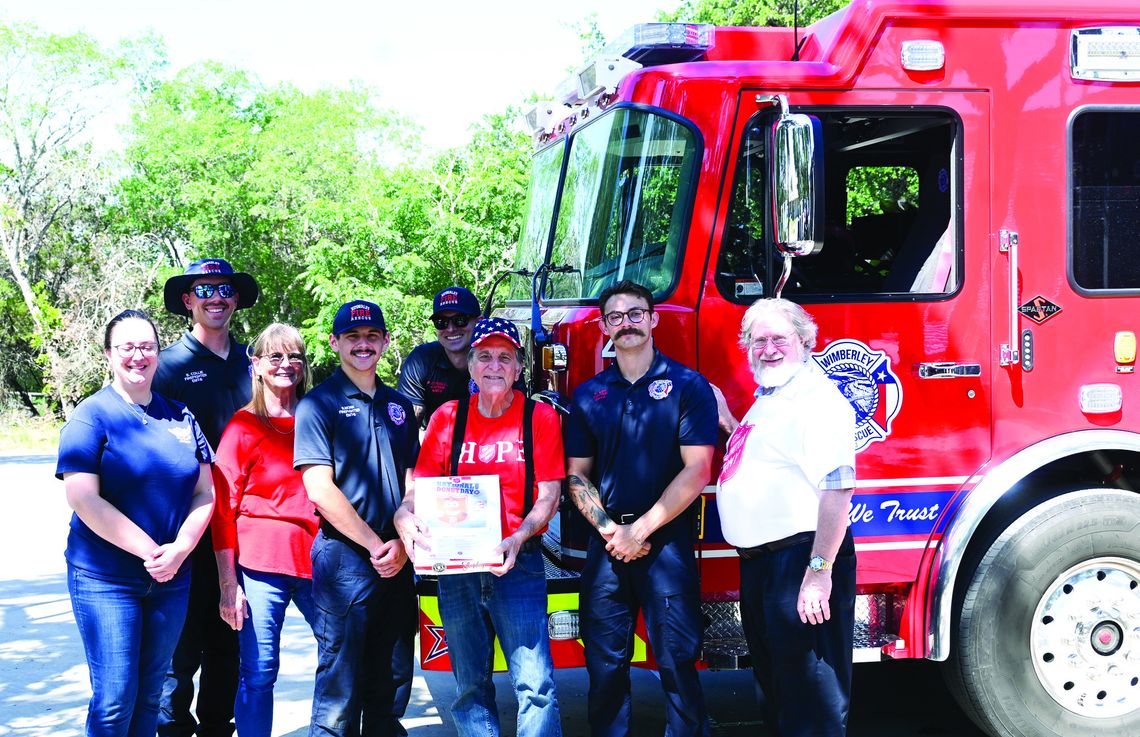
<point x="464" y="524"/>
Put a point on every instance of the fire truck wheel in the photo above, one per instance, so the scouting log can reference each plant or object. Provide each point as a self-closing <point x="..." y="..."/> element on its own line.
<point x="1049" y="637"/>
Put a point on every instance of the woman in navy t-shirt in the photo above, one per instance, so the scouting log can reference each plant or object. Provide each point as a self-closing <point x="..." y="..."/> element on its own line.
<point x="136" y="470"/>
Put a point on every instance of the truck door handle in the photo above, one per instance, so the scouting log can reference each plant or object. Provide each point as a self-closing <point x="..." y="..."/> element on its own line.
<point x="948" y="370"/>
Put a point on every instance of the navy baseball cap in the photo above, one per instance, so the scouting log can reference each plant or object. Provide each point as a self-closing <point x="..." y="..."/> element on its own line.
<point x="358" y="314"/>
<point x="176" y="286"/>
<point x="455" y="299"/>
<point x="492" y="326"/>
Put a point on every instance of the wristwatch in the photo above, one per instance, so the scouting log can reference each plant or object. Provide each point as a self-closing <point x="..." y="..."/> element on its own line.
<point x="818" y="563"/>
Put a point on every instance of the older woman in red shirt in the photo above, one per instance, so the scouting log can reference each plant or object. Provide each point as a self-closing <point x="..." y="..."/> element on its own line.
<point x="264" y="523"/>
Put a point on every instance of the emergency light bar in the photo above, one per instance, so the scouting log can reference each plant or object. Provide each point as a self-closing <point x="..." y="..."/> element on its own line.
<point x="663" y="43"/>
<point x="1110" y="54"/>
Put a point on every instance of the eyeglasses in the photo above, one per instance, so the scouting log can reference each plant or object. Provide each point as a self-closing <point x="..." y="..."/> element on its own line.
<point x="276" y="359"/>
<point x="615" y="318"/>
<point x="776" y="341"/>
<point x="205" y="291"/>
<point x="459" y="321"/>
<point x="126" y="350"/>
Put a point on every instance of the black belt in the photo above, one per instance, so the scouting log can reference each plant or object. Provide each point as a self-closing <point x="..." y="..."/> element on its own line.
<point x="785" y="542"/>
<point x="622" y="519"/>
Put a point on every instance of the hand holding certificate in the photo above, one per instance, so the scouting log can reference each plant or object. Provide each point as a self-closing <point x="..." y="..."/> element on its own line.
<point x="464" y="524"/>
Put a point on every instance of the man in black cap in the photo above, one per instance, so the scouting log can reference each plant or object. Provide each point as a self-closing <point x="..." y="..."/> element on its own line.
<point x="436" y="372"/>
<point x="356" y="443"/>
<point x="208" y="371"/>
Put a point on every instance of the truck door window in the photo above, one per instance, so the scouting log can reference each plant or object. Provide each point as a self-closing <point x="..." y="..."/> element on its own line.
<point x="1105" y="216"/>
<point x="626" y="198"/>
<point x="890" y="204"/>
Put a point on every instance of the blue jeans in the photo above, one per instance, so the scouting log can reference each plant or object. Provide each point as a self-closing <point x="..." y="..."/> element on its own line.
<point x="129" y="629"/>
<point x="365" y="629"/>
<point x="474" y="607"/>
<point x="268" y="595"/>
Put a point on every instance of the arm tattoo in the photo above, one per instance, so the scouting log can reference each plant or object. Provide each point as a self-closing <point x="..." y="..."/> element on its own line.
<point x="588" y="501"/>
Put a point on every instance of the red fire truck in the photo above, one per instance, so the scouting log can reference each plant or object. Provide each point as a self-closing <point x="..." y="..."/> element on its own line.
<point x="952" y="189"/>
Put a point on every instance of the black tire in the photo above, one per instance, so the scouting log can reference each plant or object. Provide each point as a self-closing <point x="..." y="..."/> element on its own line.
<point x="1020" y="638"/>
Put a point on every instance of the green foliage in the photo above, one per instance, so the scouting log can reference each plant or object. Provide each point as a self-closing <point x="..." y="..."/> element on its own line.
<point x="753" y="12"/>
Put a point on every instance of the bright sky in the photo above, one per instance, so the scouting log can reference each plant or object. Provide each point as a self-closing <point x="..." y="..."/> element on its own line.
<point x="446" y="63"/>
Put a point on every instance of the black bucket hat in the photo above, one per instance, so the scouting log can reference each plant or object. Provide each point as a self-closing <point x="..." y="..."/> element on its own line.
<point x="176" y="286"/>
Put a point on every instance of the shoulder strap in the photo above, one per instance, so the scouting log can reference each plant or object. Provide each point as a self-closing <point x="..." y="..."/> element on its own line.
<point x="457" y="431"/>
<point x="528" y="451"/>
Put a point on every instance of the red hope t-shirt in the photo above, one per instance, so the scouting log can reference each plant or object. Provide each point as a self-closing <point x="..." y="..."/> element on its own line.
<point x="494" y="446"/>
<point x="261" y="510"/>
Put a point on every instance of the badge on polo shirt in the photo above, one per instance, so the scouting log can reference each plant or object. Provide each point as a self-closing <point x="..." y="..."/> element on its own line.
<point x="660" y="389"/>
<point x="396" y="413"/>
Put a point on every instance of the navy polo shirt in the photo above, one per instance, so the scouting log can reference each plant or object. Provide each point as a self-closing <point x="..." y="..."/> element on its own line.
<point x="211" y="386"/>
<point x="338" y="425"/>
<point x="429" y="379"/>
<point x="634" y="432"/>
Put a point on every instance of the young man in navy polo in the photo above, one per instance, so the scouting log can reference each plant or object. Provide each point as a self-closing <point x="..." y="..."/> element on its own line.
<point x="208" y="371"/>
<point x="436" y="372"/>
<point x="639" y="446"/>
<point x="356" y="445"/>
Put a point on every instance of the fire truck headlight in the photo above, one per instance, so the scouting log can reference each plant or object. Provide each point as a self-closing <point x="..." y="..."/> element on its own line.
<point x="1101" y="399"/>
<point x="563" y="626"/>
<point x="922" y="56"/>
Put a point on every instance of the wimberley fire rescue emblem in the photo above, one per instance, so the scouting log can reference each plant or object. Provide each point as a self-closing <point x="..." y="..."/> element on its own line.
<point x="866" y="379"/>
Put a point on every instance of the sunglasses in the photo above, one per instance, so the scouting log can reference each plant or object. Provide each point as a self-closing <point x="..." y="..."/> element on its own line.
<point x="459" y="321"/>
<point x="205" y="291"/>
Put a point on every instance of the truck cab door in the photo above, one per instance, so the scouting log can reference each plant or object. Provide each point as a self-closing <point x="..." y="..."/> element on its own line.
<point x="899" y="291"/>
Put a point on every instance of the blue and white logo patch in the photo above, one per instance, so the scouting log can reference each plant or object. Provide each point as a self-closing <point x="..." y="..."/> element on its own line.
<point x="865" y="378"/>
<point x="660" y="389"/>
<point x="396" y="413"/>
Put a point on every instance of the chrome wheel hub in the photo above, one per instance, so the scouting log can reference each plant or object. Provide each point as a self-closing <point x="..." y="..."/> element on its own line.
<point x="1085" y="638"/>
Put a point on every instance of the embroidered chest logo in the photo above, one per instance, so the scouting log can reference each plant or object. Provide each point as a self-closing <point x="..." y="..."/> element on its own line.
<point x="196" y="377"/>
<point x="660" y="389"/>
<point x="396" y="413"/>
<point x="600" y="394"/>
<point x="865" y="378"/>
<point x="349" y="411"/>
<point x="436" y="387"/>
<point x="182" y="434"/>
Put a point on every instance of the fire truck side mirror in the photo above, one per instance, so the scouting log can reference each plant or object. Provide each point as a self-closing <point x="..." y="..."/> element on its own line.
<point x="797" y="184"/>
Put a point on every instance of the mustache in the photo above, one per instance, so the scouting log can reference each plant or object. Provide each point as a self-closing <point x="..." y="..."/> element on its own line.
<point x="629" y="331"/>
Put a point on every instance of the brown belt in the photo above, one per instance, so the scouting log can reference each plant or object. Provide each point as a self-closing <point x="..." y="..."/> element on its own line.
<point x="786" y="542"/>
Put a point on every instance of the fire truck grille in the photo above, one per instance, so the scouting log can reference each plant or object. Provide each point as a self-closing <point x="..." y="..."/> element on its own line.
<point x="726" y="649"/>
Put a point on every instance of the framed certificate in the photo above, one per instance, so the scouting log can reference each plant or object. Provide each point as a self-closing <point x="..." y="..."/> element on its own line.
<point x="464" y="523"/>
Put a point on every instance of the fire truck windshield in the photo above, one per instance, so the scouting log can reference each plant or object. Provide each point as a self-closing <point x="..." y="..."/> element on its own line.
<point x="626" y="194"/>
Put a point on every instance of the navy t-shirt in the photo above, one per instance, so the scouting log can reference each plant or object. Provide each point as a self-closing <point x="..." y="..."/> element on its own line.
<point x="338" y="425"/>
<point x="148" y="465"/>
<point x="634" y="433"/>
<point x="211" y="386"/>
<point x="429" y="379"/>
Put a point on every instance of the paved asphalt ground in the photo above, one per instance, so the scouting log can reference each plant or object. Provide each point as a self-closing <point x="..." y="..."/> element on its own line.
<point x="44" y="686"/>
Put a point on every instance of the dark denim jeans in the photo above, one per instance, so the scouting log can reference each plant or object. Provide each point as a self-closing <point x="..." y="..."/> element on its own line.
<point x="129" y="630"/>
<point x="268" y="595"/>
<point x="365" y="629"/>
<point x="474" y="608"/>
<point x="804" y="670"/>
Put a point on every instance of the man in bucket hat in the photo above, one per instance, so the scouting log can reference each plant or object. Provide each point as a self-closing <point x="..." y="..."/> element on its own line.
<point x="208" y="371"/>
<point x="355" y="445"/>
<point x="436" y="372"/>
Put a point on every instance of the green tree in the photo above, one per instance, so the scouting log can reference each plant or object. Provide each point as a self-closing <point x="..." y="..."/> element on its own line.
<point x="753" y="12"/>
<point x="53" y="90"/>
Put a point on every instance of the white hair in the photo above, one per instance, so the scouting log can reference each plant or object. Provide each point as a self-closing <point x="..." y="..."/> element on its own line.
<point x="799" y="318"/>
